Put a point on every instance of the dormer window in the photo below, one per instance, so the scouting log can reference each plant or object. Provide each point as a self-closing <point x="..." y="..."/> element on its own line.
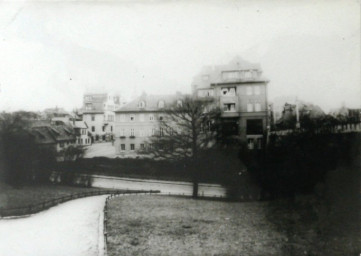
<point x="161" y="104"/>
<point x="142" y="104"/>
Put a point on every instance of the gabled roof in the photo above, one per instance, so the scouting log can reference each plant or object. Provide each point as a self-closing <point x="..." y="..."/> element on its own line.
<point x="80" y="124"/>
<point x="43" y="135"/>
<point x="151" y="103"/>
<point x="49" y="134"/>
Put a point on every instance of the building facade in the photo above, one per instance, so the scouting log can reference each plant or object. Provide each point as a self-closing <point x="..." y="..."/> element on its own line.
<point x="98" y="113"/>
<point x="83" y="137"/>
<point x="240" y="91"/>
<point x="138" y="120"/>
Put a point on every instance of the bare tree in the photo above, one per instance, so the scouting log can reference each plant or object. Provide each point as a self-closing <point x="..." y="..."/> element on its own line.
<point x="185" y="130"/>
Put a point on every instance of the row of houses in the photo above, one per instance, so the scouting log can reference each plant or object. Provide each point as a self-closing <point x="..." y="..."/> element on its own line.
<point x="57" y="129"/>
<point x="238" y="89"/>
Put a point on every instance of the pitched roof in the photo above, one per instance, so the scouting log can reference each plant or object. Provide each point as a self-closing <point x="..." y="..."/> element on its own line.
<point x="151" y="102"/>
<point x="43" y="135"/>
<point x="49" y="134"/>
<point x="80" y="124"/>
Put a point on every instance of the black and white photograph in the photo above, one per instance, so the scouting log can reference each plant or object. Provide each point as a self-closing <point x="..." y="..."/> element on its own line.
<point x="179" y="128"/>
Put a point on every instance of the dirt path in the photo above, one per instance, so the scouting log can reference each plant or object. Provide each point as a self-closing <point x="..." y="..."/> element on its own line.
<point x="71" y="228"/>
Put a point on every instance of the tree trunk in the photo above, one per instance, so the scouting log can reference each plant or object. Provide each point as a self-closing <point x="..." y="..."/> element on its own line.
<point x="195" y="188"/>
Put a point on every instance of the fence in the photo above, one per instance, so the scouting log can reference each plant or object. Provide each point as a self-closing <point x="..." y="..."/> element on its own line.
<point x="34" y="208"/>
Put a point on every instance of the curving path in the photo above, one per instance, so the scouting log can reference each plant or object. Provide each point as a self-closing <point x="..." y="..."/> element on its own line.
<point x="73" y="228"/>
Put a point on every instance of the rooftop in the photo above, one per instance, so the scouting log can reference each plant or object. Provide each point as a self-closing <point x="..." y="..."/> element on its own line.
<point x="150" y="103"/>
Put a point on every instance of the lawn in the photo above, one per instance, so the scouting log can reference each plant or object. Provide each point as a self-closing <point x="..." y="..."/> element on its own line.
<point x="27" y="195"/>
<point x="160" y="225"/>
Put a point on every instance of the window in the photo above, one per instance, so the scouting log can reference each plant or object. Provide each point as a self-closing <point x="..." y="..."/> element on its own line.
<point x="111" y="128"/>
<point x="229" y="107"/>
<point x="142" y="104"/>
<point x="122" y="147"/>
<point x="254" y="126"/>
<point x="257" y="107"/>
<point x="93" y="117"/>
<point x="248" y="74"/>
<point x="93" y="128"/>
<point x="228" y="75"/>
<point x="161" y="132"/>
<point x="249" y="90"/>
<point x="255" y="73"/>
<point x="249" y="107"/>
<point x="161" y="104"/>
<point x="141" y="117"/>
<point x="142" y="147"/>
<point x="110" y="118"/>
<point x="250" y="143"/>
<point x="153" y="131"/>
<point x="151" y="117"/>
<point x="160" y="118"/>
<point x="226" y="91"/>
<point x="257" y="90"/>
<point x="132" y="118"/>
<point x="205" y="93"/>
<point x="132" y="147"/>
<point x="259" y="143"/>
<point x="132" y="132"/>
<point x="103" y="128"/>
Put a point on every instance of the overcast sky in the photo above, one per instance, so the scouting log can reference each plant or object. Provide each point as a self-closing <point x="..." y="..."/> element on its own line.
<point x="53" y="52"/>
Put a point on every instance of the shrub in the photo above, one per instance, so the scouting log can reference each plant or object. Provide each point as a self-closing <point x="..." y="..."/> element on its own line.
<point x="296" y="162"/>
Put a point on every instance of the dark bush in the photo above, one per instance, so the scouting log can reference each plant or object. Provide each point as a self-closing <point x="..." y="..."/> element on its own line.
<point x="296" y="162"/>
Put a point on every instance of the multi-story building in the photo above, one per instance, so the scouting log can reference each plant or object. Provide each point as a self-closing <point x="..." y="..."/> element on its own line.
<point x="81" y="133"/>
<point x="98" y="113"/>
<point x="138" y="120"/>
<point x="240" y="90"/>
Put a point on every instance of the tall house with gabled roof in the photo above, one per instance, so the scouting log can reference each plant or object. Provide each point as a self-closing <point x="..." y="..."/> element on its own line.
<point x="98" y="113"/>
<point x="137" y="121"/>
<point x="240" y="90"/>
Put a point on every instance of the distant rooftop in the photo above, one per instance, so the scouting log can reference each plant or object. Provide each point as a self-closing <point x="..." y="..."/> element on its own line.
<point x="237" y="70"/>
<point x="150" y="102"/>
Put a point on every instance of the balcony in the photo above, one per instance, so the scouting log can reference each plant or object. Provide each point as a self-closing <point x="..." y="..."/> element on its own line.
<point x="132" y="137"/>
<point x="122" y="137"/>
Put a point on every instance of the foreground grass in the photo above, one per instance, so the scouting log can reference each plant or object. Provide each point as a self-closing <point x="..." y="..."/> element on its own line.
<point x="158" y="225"/>
<point x="28" y="195"/>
